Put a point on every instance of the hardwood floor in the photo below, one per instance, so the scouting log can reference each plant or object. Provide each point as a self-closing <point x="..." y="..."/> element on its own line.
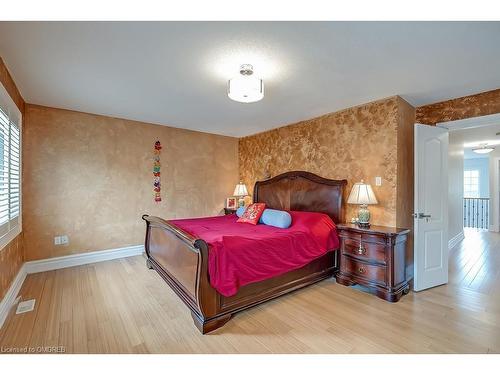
<point x="122" y="307"/>
<point x="475" y="262"/>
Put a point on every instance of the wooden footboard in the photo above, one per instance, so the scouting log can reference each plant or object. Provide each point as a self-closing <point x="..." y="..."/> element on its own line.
<point x="182" y="261"/>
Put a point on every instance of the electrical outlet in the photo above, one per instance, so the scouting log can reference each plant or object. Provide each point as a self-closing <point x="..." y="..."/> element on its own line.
<point x="61" y="240"/>
<point x="378" y="181"/>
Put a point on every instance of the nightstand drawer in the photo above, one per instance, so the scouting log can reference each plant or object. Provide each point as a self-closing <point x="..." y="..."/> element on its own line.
<point x="370" y="272"/>
<point x="369" y="251"/>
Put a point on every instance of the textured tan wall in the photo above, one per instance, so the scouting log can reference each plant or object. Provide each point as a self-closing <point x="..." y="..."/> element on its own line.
<point x="356" y="143"/>
<point x="11" y="260"/>
<point x="90" y="177"/>
<point x="11" y="256"/>
<point x="482" y="104"/>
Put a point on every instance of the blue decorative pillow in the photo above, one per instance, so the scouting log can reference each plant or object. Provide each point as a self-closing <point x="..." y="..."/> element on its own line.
<point x="276" y="218"/>
<point x="240" y="211"/>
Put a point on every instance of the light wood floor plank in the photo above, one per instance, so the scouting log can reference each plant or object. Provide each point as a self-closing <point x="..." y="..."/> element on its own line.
<point x="122" y="307"/>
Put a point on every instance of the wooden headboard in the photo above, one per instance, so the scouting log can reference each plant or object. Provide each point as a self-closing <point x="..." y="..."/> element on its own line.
<point x="302" y="191"/>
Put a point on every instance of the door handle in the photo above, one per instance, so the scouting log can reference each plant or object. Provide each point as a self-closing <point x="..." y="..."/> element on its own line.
<point x="421" y="215"/>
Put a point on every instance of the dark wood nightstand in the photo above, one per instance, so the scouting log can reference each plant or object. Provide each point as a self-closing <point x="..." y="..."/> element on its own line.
<point x="229" y="211"/>
<point x="377" y="258"/>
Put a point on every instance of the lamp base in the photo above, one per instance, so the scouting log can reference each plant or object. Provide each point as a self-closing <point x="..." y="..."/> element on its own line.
<point x="241" y="202"/>
<point x="363" y="225"/>
<point x="363" y="216"/>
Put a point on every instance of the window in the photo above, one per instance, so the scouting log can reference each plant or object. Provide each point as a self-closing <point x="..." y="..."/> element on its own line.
<point x="471" y="184"/>
<point x="10" y="169"/>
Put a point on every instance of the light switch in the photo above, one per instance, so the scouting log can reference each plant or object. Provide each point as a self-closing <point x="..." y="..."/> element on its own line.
<point x="378" y="181"/>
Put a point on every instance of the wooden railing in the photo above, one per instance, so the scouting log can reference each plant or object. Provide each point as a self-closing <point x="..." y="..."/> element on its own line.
<point x="476" y="213"/>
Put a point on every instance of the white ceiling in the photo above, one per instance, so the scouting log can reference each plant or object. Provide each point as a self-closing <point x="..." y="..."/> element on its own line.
<point x="469" y="154"/>
<point x="475" y="137"/>
<point x="175" y="73"/>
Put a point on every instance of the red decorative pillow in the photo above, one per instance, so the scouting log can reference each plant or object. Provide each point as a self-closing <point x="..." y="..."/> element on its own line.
<point x="252" y="214"/>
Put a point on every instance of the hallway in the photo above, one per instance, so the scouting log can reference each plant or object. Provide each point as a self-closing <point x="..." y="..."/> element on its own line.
<point x="474" y="263"/>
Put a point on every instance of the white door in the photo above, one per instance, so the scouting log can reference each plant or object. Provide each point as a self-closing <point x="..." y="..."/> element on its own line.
<point x="431" y="207"/>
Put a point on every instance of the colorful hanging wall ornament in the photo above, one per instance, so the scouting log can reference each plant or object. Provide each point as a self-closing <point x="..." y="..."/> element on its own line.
<point x="156" y="172"/>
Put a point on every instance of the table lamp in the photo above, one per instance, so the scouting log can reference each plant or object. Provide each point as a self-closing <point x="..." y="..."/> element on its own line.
<point x="241" y="192"/>
<point x="363" y="195"/>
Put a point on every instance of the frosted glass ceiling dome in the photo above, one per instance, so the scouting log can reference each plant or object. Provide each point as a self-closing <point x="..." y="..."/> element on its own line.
<point x="245" y="88"/>
<point x="483" y="149"/>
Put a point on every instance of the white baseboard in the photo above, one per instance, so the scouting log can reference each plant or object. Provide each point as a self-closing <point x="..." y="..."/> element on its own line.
<point x="8" y="300"/>
<point x="66" y="261"/>
<point x="455" y="240"/>
<point x="50" y="264"/>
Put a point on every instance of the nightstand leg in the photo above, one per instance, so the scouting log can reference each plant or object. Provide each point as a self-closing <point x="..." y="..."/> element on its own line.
<point x="389" y="297"/>
<point x="392" y="296"/>
<point x="344" y="280"/>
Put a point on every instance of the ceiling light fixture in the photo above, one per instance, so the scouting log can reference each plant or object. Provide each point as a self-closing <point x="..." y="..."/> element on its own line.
<point x="245" y="88"/>
<point x="483" y="149"/>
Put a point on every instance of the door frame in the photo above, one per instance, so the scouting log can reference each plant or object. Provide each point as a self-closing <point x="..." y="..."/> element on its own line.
<point x="495" y="197"/>
<point x="471" y="122"/>
<point x="477" y="122"/>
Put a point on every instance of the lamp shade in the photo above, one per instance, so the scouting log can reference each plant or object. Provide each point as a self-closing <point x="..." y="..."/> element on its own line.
<point x="240" y="190"/>
<point x="362" y="193"/>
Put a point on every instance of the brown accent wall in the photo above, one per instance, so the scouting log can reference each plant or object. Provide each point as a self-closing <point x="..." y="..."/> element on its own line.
<point x="406" y="175"/>
<point x="482" y="104"/>
<point x="11" y="256"/>
<point x="90" y="177"/>
<point x="405" y="165"/>
<point x="355" y="143"/>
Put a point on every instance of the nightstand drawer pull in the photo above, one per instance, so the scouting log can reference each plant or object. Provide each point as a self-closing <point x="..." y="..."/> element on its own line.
<point x="361" y="250"/>
<point x="361" y="270"/>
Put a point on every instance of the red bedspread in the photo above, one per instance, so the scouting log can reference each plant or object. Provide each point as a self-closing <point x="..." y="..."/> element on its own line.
<point x="241" y="253"/>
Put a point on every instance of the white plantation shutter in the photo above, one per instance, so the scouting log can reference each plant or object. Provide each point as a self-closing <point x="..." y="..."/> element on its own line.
<point x="10" y="169"/>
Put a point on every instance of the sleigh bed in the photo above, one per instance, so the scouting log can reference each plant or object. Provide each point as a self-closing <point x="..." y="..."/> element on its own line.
<point x="182" y="260"/>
